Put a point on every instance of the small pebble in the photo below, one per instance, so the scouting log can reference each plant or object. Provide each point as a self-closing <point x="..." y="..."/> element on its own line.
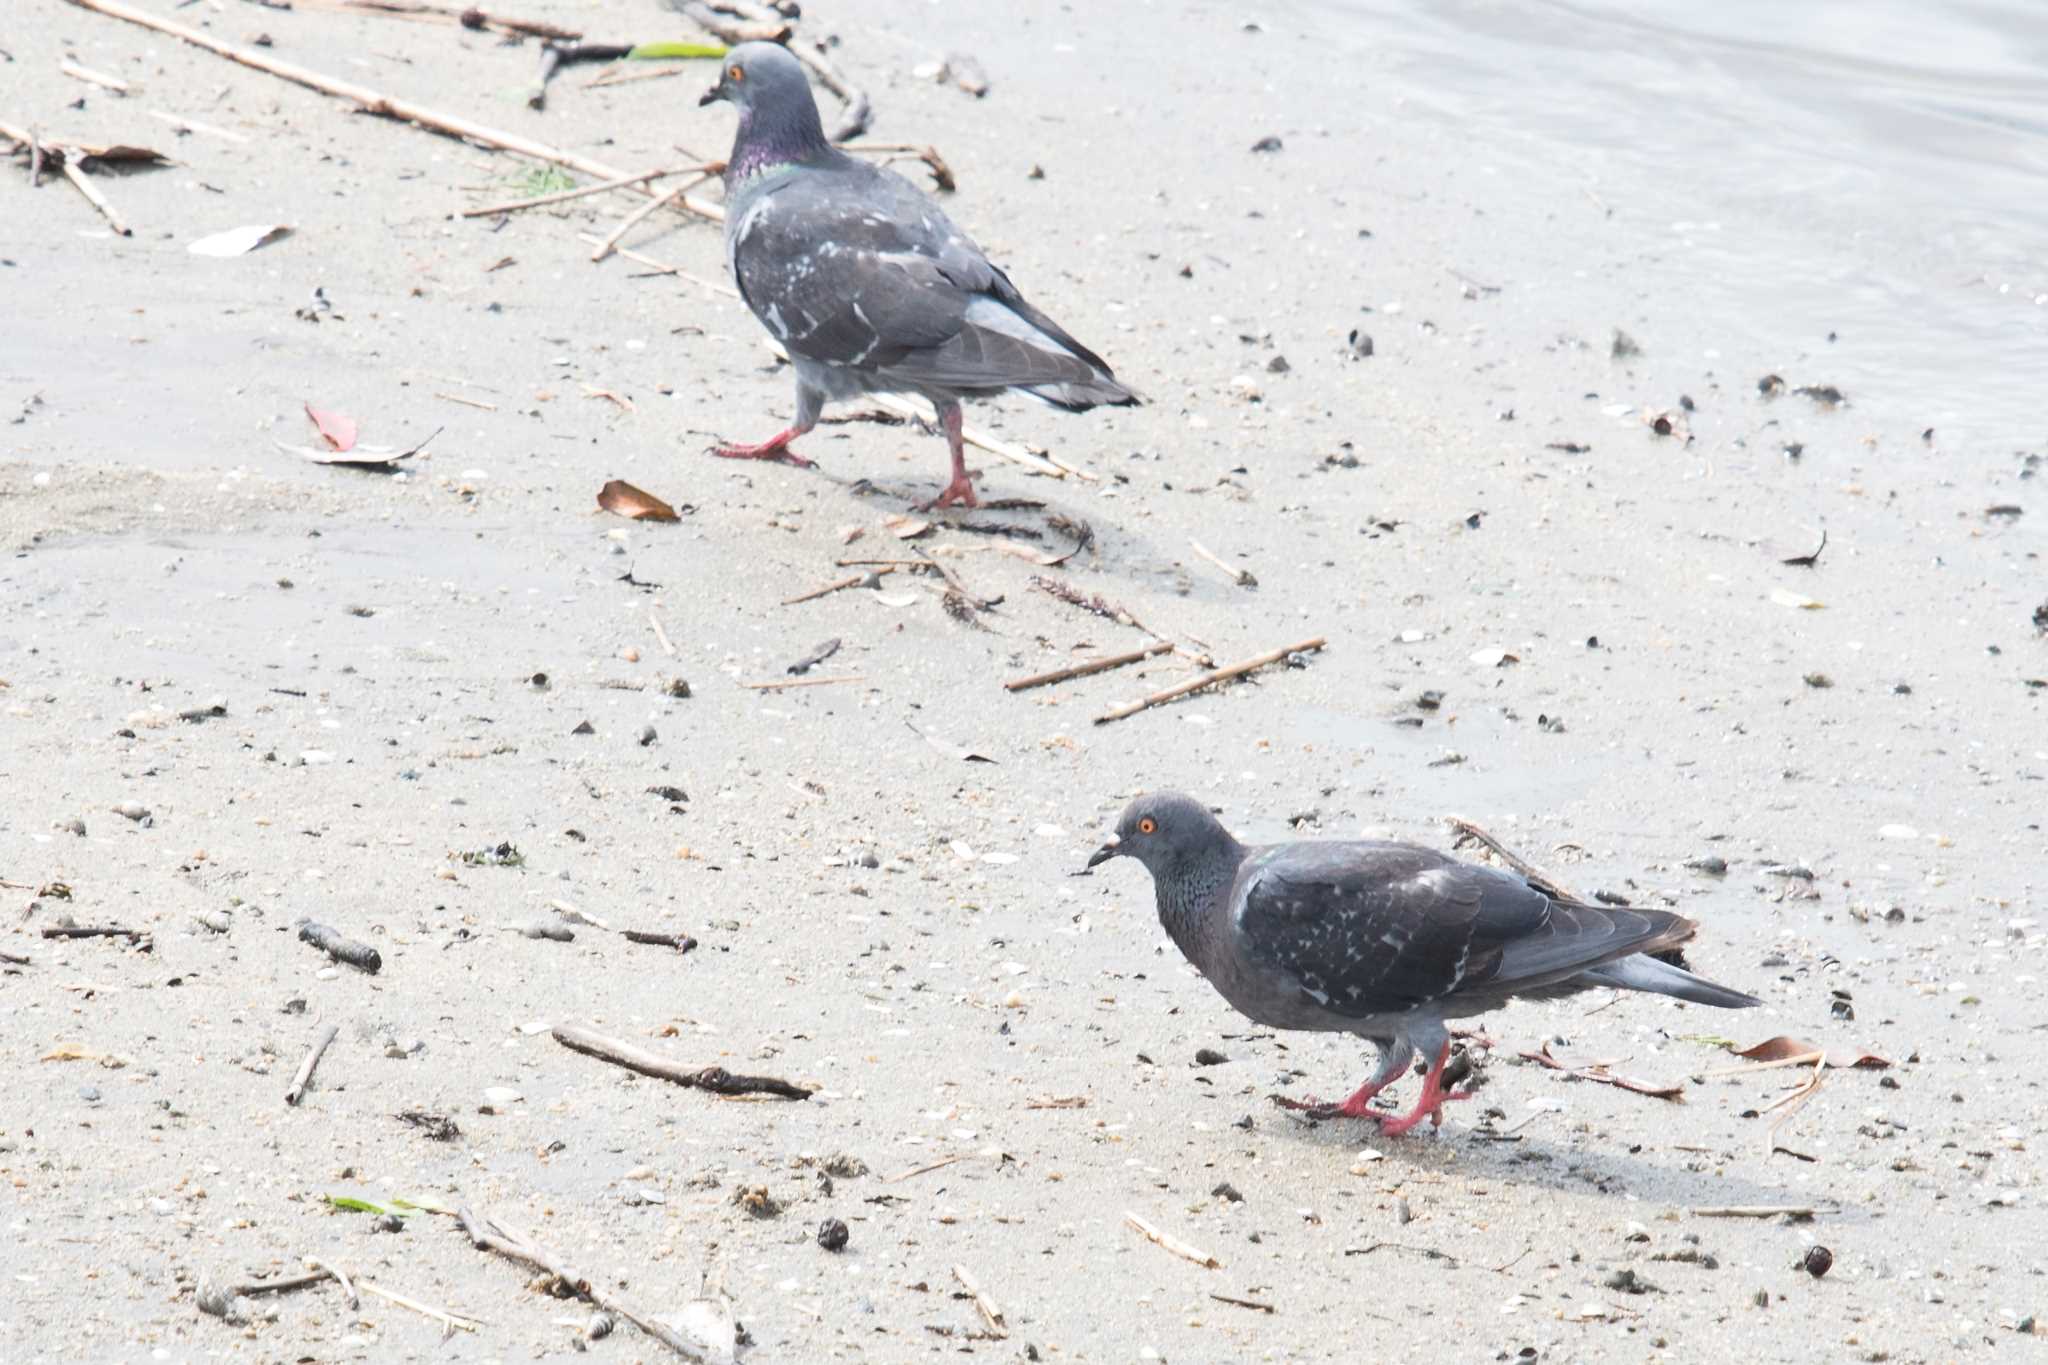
<point x="832" y="1235"/>
<point x="1818" y="1261"/>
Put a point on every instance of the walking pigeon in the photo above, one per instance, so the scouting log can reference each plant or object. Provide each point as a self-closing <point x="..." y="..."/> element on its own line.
<point x="1383" y="940"/>
<point x="866" y="283"/>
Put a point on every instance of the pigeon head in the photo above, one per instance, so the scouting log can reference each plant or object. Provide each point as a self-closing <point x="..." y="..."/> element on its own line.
<point x="1167" y="832"/>
<point x="778" y="116"/>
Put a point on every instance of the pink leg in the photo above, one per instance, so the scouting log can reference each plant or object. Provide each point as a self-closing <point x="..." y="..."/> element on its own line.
<point x="961" y="489"/>
<point x="1434" y="1097"/>
<point x="776" y="447"/>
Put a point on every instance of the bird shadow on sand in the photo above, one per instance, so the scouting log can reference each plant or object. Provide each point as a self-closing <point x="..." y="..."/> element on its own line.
<point x="1617" y="1166"/>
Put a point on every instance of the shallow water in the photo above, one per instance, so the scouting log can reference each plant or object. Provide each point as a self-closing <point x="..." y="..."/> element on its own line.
<point x="1877" y="170"/>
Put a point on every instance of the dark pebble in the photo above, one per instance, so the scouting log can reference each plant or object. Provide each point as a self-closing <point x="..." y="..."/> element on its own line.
<point x="1818" y="1261"/>
<point x="1209" y="1056"/>
<point x="832" y="1235"/>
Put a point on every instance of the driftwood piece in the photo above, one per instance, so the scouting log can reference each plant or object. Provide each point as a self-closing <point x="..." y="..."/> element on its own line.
<point x="304" y="1077"/>
<point x="1092" y="666"/>
<point x="497" y="1236"/>
<point x="341" y="948"/>
<point x="682" y="943"/>
<point x="1210" y="679"/>
<point x="715" y="1079"/>
<point x="220" y="1300"/>
<point x="136" y="936"/>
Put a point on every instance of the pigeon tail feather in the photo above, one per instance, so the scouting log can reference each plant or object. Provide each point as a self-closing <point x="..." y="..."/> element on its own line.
<point x="1641" y="973"/>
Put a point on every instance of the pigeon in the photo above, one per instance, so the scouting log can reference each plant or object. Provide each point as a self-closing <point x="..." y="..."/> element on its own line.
<point x="1383" y="940"/>
<point x="867" y="284"/>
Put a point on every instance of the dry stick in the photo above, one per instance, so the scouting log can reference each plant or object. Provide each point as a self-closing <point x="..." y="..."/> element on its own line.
<point x="70" y="167"/>
<point x="418" y="12"/>
<point x="348" y="1291"/>
<point x="1173" y="1244"/>
<point x="218" y="1300"/>
<point x="668" y="646"/>
<point x="1236" y="670"/>
<point x="1244" y="1303"/>
<point x="614" y="76"/>
<point x="386" y="106"/>
<point x="782" y="684"/>
<point x="82" y="931"/>
<point x="990" y="1314"/>
<point x="850" y="581"/>
<point x="626" y="225"/>
<point x="509" y="1242"/>
<point x="715" y="1079"/>
<point x="1529" y="872"/>
<point x="1757" y="1211"/>
<point x="682" y="943"/>
<point x="1793" y="1103"/>
<point x="91" y="77"/>
<point x="453" y="1321"/>
<point x="663" y="267"/>
<point x="942" y="174"/>
<point x="468" y="402"/>
<point x="1242" y="577"/>
<point x="925" y="1169"/>
<point x="16" y="961"/>
<point x="564" y="196"/>
<point x="1092" y="666"/>
<point x="305" y="1073"/>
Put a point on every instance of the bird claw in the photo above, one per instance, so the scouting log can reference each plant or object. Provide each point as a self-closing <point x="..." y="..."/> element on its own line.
<point x="960" y="492"/>
<point x="767" y="450"/>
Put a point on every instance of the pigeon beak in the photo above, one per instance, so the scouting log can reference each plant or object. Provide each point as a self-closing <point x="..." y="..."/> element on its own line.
<point x="711" y="96"/>
<point x="1112" y="849"/>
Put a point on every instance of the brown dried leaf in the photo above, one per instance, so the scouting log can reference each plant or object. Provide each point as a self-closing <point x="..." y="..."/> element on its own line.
<point x="906" y="527"/>
<point x="1784" y="1047"/>
<point x="627" y="501"/>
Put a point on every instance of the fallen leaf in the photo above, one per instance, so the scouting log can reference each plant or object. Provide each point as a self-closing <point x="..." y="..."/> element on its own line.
<point x="626" y="500"/>
<point x="1784" y="1048"/>
<point x="239" y="241"/>
<point x="906" y="527"/>
<point x="338" y="430"/>
<point x="948" y="748"/>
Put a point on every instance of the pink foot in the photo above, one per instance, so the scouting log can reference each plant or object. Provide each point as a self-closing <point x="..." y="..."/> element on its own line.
<point x="1353" y="1108"/>
<point x="775" y="448"/>
<point x="960" y="492"/>
<point x="1431" y="1105"/>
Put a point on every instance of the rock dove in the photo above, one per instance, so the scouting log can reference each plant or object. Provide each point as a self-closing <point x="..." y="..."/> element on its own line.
<point x="866" y="283"/>
<point x="1383" y="940"/>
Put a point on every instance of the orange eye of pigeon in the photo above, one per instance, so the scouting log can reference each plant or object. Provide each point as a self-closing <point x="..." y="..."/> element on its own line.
<point x="1147" y="825"/>
<point x="737" y="73"/>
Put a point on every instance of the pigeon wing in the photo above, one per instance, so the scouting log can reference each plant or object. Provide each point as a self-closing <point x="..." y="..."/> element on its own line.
<point x="848" y="269"/>
<point x="1369" y="929"/>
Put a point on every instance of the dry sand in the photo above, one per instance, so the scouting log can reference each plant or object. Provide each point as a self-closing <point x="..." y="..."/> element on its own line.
<point x="878" y="917"/>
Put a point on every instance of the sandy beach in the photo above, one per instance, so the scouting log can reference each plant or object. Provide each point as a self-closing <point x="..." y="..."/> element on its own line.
<point x="1538" y="436"/>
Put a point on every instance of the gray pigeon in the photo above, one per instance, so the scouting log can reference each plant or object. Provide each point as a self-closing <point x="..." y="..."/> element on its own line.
<point x="866" y="283"/>
<point x="1383" y="940"/>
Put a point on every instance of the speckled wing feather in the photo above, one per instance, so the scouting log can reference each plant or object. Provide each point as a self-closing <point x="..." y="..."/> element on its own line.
<point x="851" y="266"/>
<point x="1368" y="929"/>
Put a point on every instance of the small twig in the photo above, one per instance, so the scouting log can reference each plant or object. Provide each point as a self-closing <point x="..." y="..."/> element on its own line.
<point x="621" y="76"/>
<point x="1092" y="666"/>
<point x="1757" y="1211"/>
<point x="975" y="600"/>
<point x="668" y="646"/>
<point x="218" y="1300"/>
<point x="512" y="1244"/>
<point x="1210" y="679"/>
<point x="682" y="943"/>
<point x="1244" y="1303"/>
<point x="453" y="1321"/>
<point x="1808" y="561"/>
<point x="1597" y="1071"/>
<point x="627" y="224"/>
<point x="1550" y="886"/>
<point x="715" y="1079"/>
<point x="601" y="187"/>
<point x="990" y="1314"/>
<point x="942" y="174"/>
<point x="13" y="960"/>
<point x="850" y="581"/>
<point x="468" y="402"/>
<point x="663" y="268"/>
<point x="85" y="931"/>
<point x="925" y="1169"/>
<point x="305" y="1073"/>
<point x="783" y="684"/>
<point x="814" y="658"/>
<point x="342" y="949"/>
<point x="1794" y="1102"/>
<point x="1510" y="1265"/>
<point x="1240" y="576"/>
<point x="1184" y="1250"/>
<point x="1428" y="1253"/>
<point x="186" y="125"/>
<point x="91" y="77"/>
<point x="77" y="176"/>
<point x="348" y="1291"/>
